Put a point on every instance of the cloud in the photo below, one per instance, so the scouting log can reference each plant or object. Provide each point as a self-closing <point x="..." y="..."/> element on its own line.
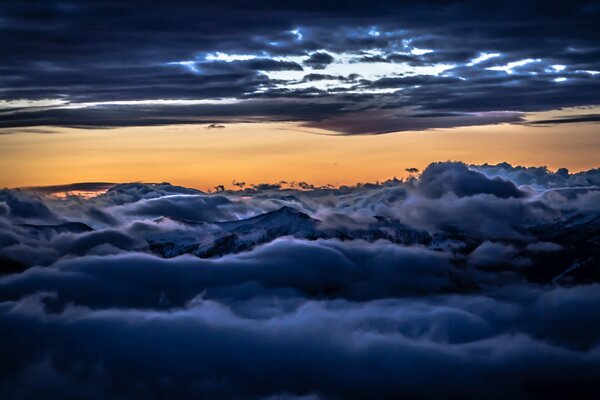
<point x="215" y="126"/>
<point x="568" y="120"/>
<point x="209" y="348"/>
<point x="74" y="187"/>
<point x="185" y="207"/>
<point x="541" y="177"/>
<point x="478" y="274"/>
<point x="543" y="246"/>
<point x="319" y="60"/>
<point x="440" y="178"/>
<point x="22" y="206"/>
<point x="387" y="121"/>
<point x="489" y="254"/>
<point x="164" y="56"/>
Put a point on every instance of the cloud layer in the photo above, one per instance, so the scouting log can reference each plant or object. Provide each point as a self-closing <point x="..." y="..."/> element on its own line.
<point x="465" y="281"/>
<point x="416" y="65"/>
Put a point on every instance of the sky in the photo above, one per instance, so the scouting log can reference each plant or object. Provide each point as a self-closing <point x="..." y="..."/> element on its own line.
<point x="299" y="200"/>
<point x="201" y="93"/>
<point x="193" y="156"/>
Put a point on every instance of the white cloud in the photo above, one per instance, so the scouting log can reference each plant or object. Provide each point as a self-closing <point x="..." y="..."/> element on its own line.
<point x="26" y="103"/>
<point x="482" y="57"/>
<point x="420" y="52"/>
<point x="346" y="64"/>
<point x="229" y="57"/>
<point x="296" y="32"/>
<point x="509" y="68"/>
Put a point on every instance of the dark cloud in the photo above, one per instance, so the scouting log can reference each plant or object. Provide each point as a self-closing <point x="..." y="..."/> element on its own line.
<point x="336" y="349"/>
<point x="386" y="121"/>
<point x="215" y="126"/>
<point x="272" y="65"/>
<point x="74" y="187"/>
<point x="567" y="120"/>
<point x="440" y="178"/>
<point x="541" y="177"/>
<point x="97" y="51"/>
<point x="24" y="206"/>
<point x="319" y="60"/>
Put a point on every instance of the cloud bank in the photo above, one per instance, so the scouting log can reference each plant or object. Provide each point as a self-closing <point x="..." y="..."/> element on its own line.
<point x="463" y="281"/>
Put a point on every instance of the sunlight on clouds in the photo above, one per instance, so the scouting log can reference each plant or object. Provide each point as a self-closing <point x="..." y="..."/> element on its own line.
<point x="159" y="102"/>
<point x="296" y="32"/>
<point x="191" y="66"/>
<point x="347" y="64"/>
<point x="509" y="68"/>
<point x="218" y="56"/>
<point x="374" y="32"/>
<point x="26" y="103"/>
<point x="420" y="52"/>
<point x="64" y="104"/>
<point x="482" y="57"/>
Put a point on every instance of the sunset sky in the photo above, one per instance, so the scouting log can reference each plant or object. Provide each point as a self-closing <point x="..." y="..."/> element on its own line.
<point x="299" y="199"/>
<point x="201" y="94"/>
<point x="194" y="156"/>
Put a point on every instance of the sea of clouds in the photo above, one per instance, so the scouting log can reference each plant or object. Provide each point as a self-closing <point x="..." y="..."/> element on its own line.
<point x="459" y="282"/>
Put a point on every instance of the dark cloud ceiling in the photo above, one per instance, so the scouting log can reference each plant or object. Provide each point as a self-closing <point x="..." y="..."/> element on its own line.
<point x="67" y="63"/>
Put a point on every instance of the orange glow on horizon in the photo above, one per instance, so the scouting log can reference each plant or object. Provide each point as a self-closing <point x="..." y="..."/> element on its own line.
<point x="193" y="156"/>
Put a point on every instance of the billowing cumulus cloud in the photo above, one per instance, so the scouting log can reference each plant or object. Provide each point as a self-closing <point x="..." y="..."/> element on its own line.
<point x="461" y="282"/>
<point x="417" y="65"/>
